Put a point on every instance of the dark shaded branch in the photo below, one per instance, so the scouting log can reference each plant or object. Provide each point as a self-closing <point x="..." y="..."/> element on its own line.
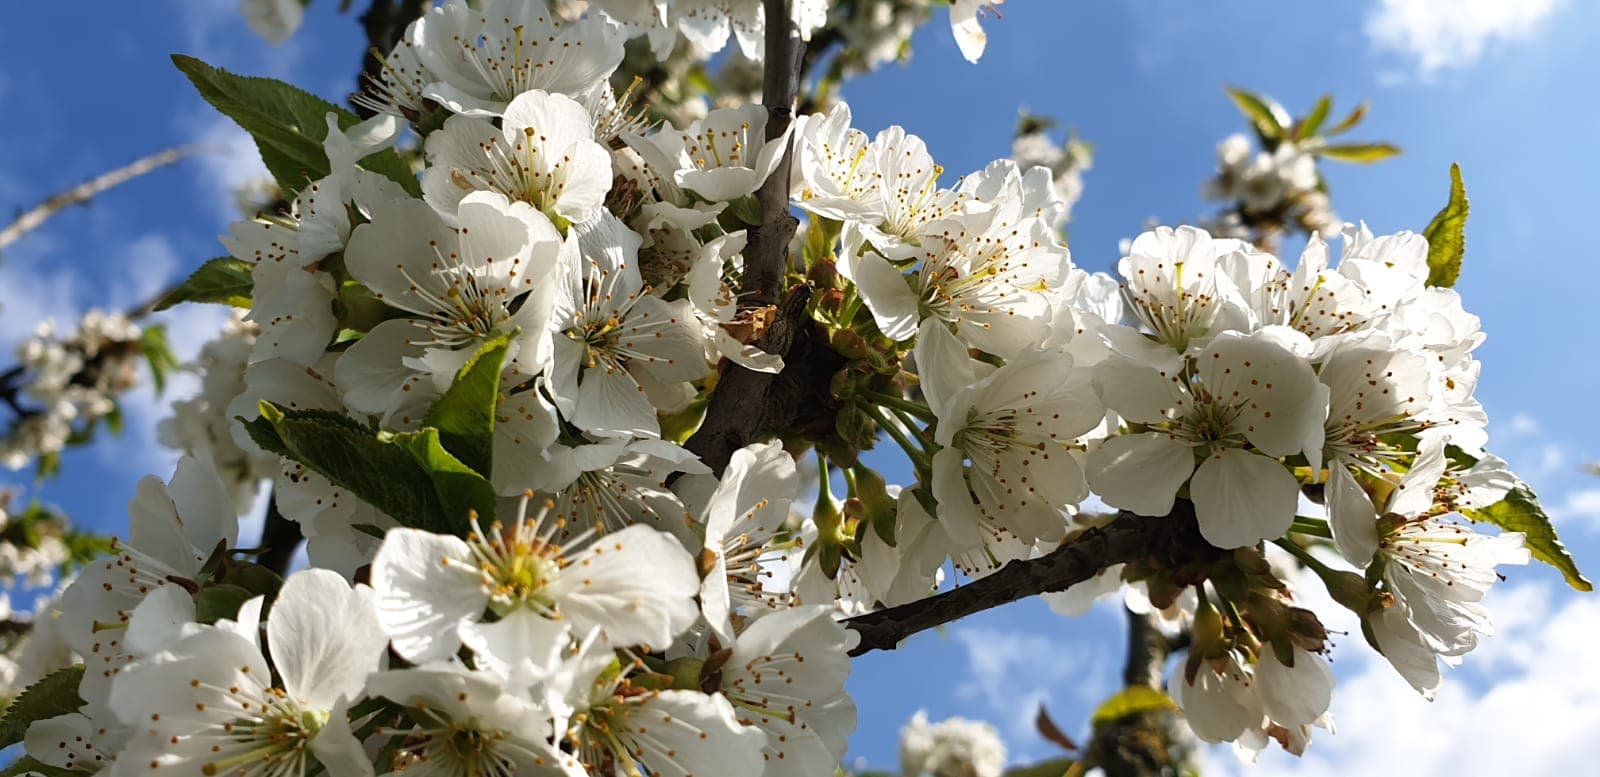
<point x="767" y="254"/>
<point x="279" y="538"/>
<point x="385" y="24"/>
<point x="1167" y="541"/>
<point x="1147" y="651"/>
<point x="748" y="405"/>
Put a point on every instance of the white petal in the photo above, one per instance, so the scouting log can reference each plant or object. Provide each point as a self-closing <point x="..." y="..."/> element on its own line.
<point x="1294" y="696"/>
<point x="424" y="590"/>
<point x="1241" y="498"/>
<point x="324" y="636"/>
<point x="1351" y="516"/>
<point x="1140" y="472"/>
<point x="638" y="585"/>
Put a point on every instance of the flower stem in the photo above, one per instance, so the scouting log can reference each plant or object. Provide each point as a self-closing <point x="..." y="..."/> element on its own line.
<point x="1315" y="527"/>
<point x="1305" y="556"/>
<point x="914" y="409"/>
<point x="918" y="455"/>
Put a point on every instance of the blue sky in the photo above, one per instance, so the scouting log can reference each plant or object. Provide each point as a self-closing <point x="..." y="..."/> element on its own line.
<point x="1497" y="86"/>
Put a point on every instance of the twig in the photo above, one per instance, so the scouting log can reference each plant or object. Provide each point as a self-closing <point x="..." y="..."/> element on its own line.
<point x="1171" y="540"/>
<point x="83" y="192"/>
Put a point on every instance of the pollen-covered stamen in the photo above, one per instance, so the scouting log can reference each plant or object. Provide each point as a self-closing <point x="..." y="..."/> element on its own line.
<point x="397" y="88"/>
<point x="515" y="565"/>
<point x="469" y="309"/>
<point x="747" y="561"/>
<point x="458" y="748"/>
<point x="270" y="737"/>
<point x="610" y="327"/>
<point x="1176" y="315"/>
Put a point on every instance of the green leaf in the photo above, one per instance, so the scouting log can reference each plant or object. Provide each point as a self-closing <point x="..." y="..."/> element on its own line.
<point x="381" y="473"/>
<point x="1362" y="153"/>
<point x="1447" y="234"/>
<point x="27" y="765"/>
<point x="1520" y="511"/>
<point x="1131" y="700"/>
<point x="287" y="123"/>
<point x="222" y="281"/>
<point x="1348" y="122"/>
<point x="461" y="491"/>
<point x="255" y="578"/>
<point x="1269" y="118"/>
<point x="56" y="694"/>
<point x="216" y="602"/>
<point x="1313" y="120"/>
<point x="158" y="354"/>
<point x="464" y="416"/>
<point x="746" y="209"/>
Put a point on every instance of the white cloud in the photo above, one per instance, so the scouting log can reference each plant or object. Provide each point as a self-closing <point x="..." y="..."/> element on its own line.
<point x="1012" y="672"/>
<point x="1519" y="425"/>
<point x="1453" y="34"/>
<point x="229" y="160"/>
<point x="1527" y="702"/>
<point x="1580" y="505"/>
<point x="36" y="290"/>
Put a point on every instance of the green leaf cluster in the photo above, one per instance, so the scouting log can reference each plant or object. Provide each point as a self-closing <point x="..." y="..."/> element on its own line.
<point x="435" y="478"/>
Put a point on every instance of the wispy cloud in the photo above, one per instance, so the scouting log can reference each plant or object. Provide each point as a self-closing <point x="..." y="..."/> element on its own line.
<point x="1438" y="35"/>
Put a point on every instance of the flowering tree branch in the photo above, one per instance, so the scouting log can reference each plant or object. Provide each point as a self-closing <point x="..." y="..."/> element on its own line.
<point x="1170" y="540"/>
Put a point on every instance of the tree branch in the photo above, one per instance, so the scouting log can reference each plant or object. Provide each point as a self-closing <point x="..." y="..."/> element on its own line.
<point x="31" y="219"/>
<point x="279" y="538"/>
<point x="1171" y="540"/>
<point x="748" y="405"/>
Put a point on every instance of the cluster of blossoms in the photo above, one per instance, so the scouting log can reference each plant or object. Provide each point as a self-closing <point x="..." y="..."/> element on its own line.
<point x="610" y="604"/>
<point x="200" y="426"/>
<point x="31" y="549"/>
<point x="953" y="747"/>
<point x="523" y="649"/>
<point x="1033" y="147"/>
<point x="1280" y="186"/>
<point x="64" y="385"/>
<point x="1246" y="382"/>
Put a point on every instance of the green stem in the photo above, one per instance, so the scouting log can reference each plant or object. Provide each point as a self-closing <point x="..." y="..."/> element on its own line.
<point x="914" y="409"/>
<point x="914" y="451"/>
<point x="1305" y="557"/>
<point x="1316" y="527"/>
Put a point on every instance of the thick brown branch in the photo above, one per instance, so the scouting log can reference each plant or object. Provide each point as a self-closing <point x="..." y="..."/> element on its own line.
<point x="1172" y="540"/>
<point x="31" y="219"/>
<point x="747" y="405"/>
